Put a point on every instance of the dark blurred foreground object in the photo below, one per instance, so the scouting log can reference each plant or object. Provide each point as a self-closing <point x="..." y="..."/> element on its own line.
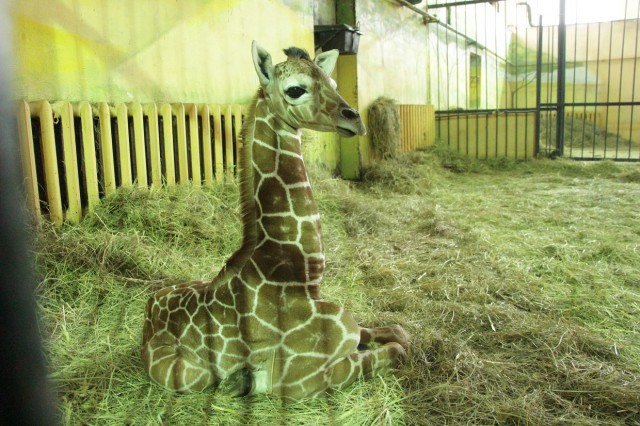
<point x="25" y="396"/>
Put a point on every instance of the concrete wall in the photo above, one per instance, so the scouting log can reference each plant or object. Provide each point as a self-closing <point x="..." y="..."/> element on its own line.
<point x="481" y="30"/>
<point x="392" y="59"/>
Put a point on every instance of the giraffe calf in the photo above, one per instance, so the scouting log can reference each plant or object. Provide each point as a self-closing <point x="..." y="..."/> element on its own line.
<point x="261" y="326"/>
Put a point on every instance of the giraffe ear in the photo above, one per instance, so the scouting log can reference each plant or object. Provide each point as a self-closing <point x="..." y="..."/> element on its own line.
<point x="262" y="62"/>
<point x="327" y="60"/>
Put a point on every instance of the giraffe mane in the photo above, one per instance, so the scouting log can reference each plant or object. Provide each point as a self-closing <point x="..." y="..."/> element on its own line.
<point x="296" y="52"/>
<point x="245" y="182"/>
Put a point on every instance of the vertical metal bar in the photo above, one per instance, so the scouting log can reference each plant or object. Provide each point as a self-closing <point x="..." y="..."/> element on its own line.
<point x="550" y="95"/>
<point x="467" y="65"/>
<point x="606" y="124"/>
<point x="486" y="97"/>
<point x="526" y="94"/>
<point x="457" y="59"/>
<point x="573" y="84"/>
<point x="562" y="59"/>
<point x="633" y="84"/>
<point x="538" y="85"/>
<point x="514" y="101"/>
<point x="586" y="80"/>
<point x="438" y="87"/>
<point x="467" y="57"/>
<point x="478" y="94"/>
<point x="595" y="109"/>
<point x="624" y="36"/>
<point x="505" y="82"/>
<point x="497" y="91"/>
<point x="446" y="36"/>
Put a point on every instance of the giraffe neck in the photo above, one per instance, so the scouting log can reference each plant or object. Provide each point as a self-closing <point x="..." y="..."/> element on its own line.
<point x="288" y="239"/>
<point x="239" y="258"/>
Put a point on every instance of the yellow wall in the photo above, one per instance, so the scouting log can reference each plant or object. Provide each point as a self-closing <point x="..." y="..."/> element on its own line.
<point x="189" y="51"/>
<point x="492" y="135"/>
<point x="150" y="50"/>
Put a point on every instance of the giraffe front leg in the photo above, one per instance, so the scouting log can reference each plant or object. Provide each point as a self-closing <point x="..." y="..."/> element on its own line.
<point x="363" y="363"/>
<point x="383" y="335"/>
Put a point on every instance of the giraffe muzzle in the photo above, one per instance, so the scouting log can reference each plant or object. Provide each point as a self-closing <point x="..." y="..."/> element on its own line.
<point x="350" y="124"/>
<point x="342" y="131"/>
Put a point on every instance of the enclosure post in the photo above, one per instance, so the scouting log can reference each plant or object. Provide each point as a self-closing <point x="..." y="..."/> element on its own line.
<point x="562" y="44"/>
<point x="538" y="86"/>
<point x="347" y="77"/>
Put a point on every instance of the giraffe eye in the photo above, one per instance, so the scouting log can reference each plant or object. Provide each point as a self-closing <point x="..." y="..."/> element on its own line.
<point x="295" y="92"/>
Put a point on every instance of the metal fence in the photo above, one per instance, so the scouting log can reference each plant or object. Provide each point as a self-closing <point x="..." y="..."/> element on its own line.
<point x="537" y="78"/>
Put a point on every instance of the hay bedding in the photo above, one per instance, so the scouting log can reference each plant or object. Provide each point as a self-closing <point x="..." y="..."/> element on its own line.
<point x="522" y="299"/>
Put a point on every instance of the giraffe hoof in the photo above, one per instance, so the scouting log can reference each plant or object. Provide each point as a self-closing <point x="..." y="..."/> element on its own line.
<point x="397" y="354"/>
<point x="401" y="336"/>
<point x="238" y="383"/>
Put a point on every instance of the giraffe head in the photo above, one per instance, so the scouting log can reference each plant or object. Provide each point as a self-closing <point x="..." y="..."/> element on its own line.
<point x="302" y="94"/>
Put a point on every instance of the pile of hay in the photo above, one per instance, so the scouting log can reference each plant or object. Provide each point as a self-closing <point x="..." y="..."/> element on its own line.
<point x="518" y="283"/>
<point x="584" y="139"/>
<point x="384" y="127"/>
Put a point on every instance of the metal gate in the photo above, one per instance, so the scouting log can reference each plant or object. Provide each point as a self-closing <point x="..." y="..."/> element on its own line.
<point x="537" y="78"/>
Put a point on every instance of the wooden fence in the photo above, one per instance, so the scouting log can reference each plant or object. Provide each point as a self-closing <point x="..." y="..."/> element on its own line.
<point x="74" y="154"/>
<point x="417" y="127"/>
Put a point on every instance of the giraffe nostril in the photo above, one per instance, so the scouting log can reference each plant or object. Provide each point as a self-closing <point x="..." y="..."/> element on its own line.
<point x="350" y="114"/>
